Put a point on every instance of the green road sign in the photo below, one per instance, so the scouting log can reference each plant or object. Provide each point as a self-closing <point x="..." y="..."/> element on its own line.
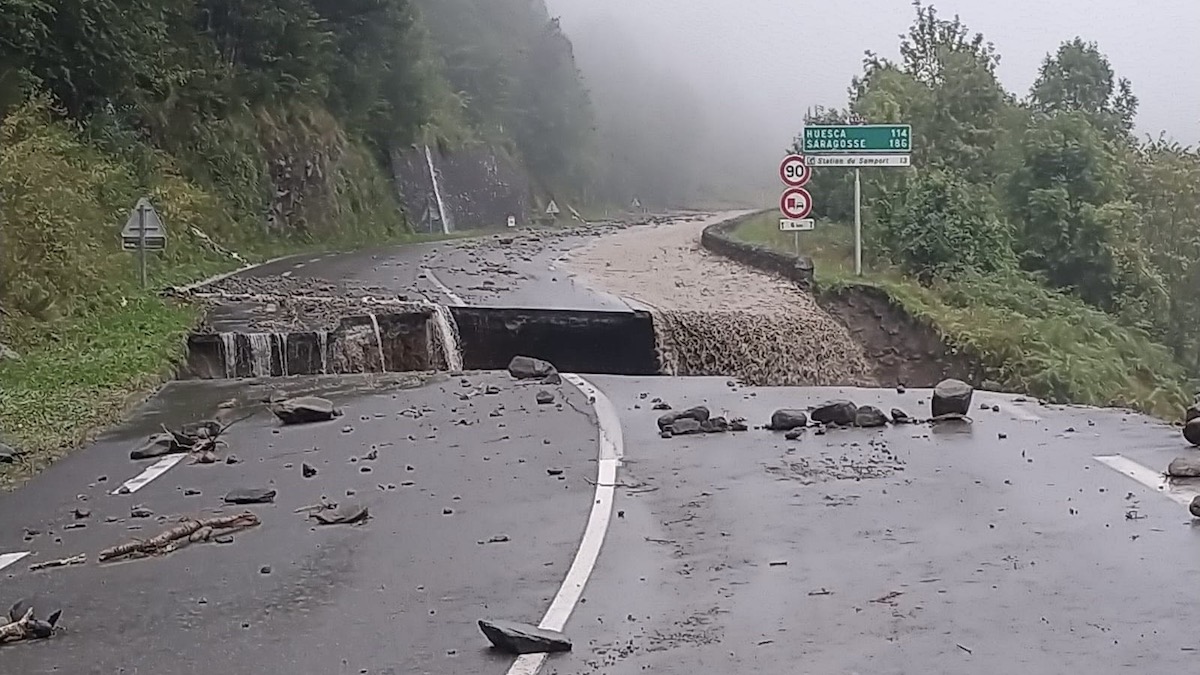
<point x="857" y="138"/>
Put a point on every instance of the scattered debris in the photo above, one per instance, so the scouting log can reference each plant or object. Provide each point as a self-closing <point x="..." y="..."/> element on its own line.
<point x="951" y="397"/>
<point x="346" y="514"/>
<point x="1194" y="507"/>
<point x="521" y="638"/>
<point x="156" y="446"/>
<point x="889" y="599"/>
<point x="787" y="419"/>
<point x="820" y="592"/>
<point x="544" y="397"/>
<point x="554" y="472"/>
<point x="24" y="624"/>
<point x="61" y="562"/>
<point x="497" y="539"/>
<point x="82" y="513"/>
<point x="140" y="511"/>
<point x="250" y="496"/>
<point x="304" y="410"/>
<point x="835" y="412"/>
<point x="900" y="417"/>
<point x="715" y="425"/>
<point x="965" y="649"/>
<point x="699" y="414"/>
<point x="265" y="569"/>
<point x="777" y="563"/>
<point x="307" y="470"/>
<point x="188" y="531"/>
<point x="1184" y="467"/>
<point x="529" y="368"/>
<point x="738" y="424"/>
<point x="795" y="434"/>
<point x="870" y="417"/>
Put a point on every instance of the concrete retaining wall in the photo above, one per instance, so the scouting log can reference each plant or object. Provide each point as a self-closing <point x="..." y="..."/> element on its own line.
<point x="719" y="239"/>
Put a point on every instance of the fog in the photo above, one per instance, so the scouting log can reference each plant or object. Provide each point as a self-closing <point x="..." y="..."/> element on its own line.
<point x="752" y="67"/>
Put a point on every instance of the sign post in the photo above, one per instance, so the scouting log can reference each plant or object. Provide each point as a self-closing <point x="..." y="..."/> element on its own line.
<point x="143" y="232"/>
<point x="796" y="202"/>
<point x="857" y="146"/>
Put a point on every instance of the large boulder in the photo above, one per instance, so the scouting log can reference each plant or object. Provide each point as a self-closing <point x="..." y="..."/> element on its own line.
<point x="835" y="412"/>
<point x="305" y="410"/>
<point x="699" y="413"/>
<point x="787" y="419"/>
<point x="522" y="638"/>
<point x="1191" y="431"/>
<point x="686" y="426"/>
<point x="1192" y="412"/>
<point x="952" y="397"/>
<point x="529" y="368"/>
<point x="868" y="417"/>
<point x="1184" y="467"/>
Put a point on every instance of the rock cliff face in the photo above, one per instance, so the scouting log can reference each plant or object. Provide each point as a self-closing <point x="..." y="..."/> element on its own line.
<point x="471" y="188"/>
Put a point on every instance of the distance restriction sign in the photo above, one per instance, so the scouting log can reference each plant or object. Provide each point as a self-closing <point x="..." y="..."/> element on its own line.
<point x="795" y="204"/>
<point x="803" y="225"/>
<point x="794" y="171"/>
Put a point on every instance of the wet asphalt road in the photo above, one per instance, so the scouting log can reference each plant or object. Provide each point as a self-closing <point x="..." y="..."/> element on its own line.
<point x="399" y="594"/>
<point x="517" y="270"/>
<point x="903" y="550"/>
<point x="910" y="549"/>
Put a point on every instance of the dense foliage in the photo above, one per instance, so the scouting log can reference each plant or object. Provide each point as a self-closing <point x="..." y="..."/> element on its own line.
<point x="1053" y="186"/>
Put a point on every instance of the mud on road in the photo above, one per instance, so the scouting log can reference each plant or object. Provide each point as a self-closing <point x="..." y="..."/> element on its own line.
<point x="715" y="317"/>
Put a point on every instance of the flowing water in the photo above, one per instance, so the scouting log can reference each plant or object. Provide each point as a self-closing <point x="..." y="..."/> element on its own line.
<point x="260" y="353"/>
<point x="437" y="193"/>
<point x="282" y="338"/>
<point x="323" y="346"/>
<point x="446" y="337"/>
<point x="229" y="343"/>
<point x="378" y="342"/>
<point x="758" y="349"/>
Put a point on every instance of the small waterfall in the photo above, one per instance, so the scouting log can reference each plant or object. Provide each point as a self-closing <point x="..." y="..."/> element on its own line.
<point x="283" y="361"/>
<point x="323" y="345"/>
<point x="446" y="333"/>
<point x="229" y="343"/>
<point x="378" y="342"/>
<point x="260" y="353"/>
<point x="447" y="227"/>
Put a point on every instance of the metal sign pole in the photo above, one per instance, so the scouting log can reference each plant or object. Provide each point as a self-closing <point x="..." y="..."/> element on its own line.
<point x="142" y="243"/>
<point x="857" y="223"/>
<point x="796" y="241"/>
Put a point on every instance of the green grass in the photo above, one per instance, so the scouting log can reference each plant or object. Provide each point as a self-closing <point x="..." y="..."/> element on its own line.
<point x="1028" y="338"/>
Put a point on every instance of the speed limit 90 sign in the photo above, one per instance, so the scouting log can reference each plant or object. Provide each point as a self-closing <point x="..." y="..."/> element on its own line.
<point x="794" y="171"/>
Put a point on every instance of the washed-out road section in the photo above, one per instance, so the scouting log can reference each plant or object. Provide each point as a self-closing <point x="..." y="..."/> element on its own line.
<point x="995" y="546"/>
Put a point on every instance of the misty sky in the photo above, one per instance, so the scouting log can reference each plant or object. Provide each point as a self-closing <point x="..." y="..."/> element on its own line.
<point x="763" y="62"/>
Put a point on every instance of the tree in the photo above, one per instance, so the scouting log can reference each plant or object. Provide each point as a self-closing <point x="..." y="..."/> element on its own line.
<point x="1079" y="78"/>
<point x="943" y="226"/>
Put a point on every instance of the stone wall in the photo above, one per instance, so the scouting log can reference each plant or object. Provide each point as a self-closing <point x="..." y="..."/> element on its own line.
<point x="719" y="239"/>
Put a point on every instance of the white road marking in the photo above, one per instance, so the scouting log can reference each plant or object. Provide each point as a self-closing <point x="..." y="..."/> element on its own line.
<point x="7" y="559"/>
<point x="611" y="450"/>
<point x="1152" y="479"/>
<point x="153" y="471"/>
<point x="453" y="297"/>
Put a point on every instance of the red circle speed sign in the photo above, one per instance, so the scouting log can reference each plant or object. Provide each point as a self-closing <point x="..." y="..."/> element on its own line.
<point x="796" y="203"/>
<point x="795" y="171"/>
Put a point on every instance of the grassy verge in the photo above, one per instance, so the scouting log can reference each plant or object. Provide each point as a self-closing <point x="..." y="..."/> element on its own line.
<point x="1028" y="338"/>
<point x="90" y="340"/>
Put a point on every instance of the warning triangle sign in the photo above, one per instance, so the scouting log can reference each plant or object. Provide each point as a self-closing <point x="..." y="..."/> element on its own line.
<point x="144" y="215"/>
<point x="552" y="209"/>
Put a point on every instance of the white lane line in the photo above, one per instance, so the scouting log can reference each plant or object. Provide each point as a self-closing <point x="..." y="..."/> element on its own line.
<point x="1155" y="480"/>
<point x="153" y="471"/>
<point x="7" y="559"/>
<point x="453" y="297"/>
<point x="612" y="448"/>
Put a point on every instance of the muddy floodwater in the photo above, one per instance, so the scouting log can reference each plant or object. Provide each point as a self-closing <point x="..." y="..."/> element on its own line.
<point x="715" y="317"/>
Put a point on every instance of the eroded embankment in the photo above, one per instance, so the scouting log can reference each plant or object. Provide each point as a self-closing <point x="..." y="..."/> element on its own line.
<point x="901" y="349"/>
